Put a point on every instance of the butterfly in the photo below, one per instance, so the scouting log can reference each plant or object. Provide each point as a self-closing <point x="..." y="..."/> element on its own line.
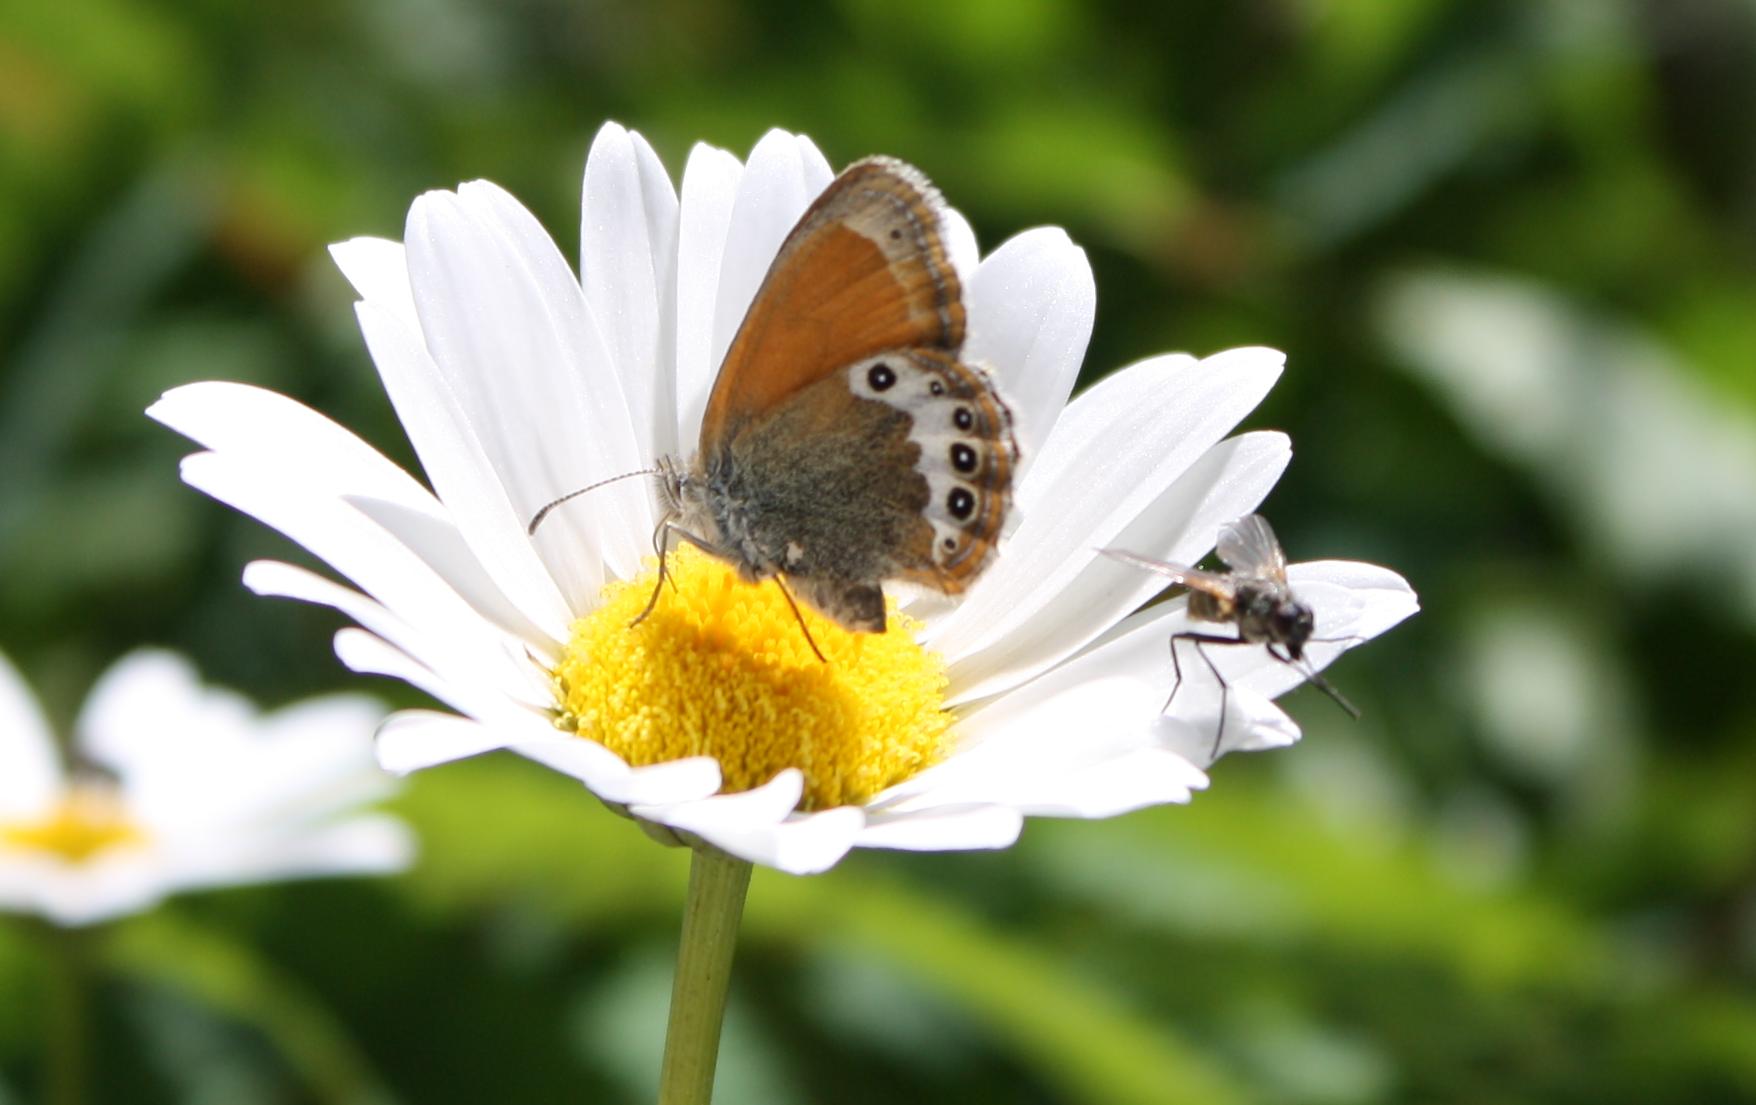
<point x="1253" y="596"/>
<point x="846" y="442"/>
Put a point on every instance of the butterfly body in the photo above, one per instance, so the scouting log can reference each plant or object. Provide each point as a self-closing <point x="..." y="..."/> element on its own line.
<point x="846" y="443"/>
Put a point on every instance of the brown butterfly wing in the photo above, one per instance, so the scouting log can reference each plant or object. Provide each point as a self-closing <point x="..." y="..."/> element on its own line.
<point x="859" y="484"/>
<point x="865" y="270"/>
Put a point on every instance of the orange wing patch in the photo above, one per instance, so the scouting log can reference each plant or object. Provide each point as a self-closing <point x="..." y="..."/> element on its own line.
<point x="865" y="270"/>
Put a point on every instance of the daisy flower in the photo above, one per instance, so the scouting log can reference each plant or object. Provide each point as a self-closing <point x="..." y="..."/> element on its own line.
<point x="175" y="786"/>
<point x="711" y="720"/>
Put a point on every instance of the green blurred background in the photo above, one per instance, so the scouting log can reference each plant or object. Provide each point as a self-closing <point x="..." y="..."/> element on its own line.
<point x="1510" y="248"/>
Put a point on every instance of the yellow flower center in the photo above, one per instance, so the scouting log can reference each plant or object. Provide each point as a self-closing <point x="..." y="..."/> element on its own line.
<point x="720" y="668"/>
<point x="87" y="821"/>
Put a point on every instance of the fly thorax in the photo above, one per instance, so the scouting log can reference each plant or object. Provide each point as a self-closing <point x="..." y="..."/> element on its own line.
<point x="1257" y="601"/>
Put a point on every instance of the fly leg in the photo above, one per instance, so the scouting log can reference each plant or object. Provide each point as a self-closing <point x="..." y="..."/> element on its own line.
<point x="1199" y="639"/>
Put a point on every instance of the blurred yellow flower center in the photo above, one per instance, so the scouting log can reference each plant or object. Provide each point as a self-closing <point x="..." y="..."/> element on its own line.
<point x="720" y="668"/>
<point x="87" y="821"/>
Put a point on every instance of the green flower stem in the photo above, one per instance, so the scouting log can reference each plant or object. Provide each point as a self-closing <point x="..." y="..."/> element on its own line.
<point x="67" y="1021"/>
<point x="711" y="913"/>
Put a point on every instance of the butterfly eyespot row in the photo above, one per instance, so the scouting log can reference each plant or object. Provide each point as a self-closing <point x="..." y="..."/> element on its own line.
<point x="966" y="452"/>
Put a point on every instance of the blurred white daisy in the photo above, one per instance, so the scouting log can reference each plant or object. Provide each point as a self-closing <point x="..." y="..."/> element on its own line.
<point x="176" y="786"/>
<point x="518" y="381"/>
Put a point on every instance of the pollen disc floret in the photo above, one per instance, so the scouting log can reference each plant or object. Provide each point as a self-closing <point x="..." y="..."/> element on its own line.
<point x="88" y="820"/>
<point x="720" y="668"/>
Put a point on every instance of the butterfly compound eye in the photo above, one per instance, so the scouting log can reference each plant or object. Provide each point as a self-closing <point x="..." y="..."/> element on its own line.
<point x="880" y="377"/>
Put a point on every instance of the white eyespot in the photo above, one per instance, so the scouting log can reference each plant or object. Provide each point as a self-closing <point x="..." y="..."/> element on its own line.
<point x="795" y="552"/>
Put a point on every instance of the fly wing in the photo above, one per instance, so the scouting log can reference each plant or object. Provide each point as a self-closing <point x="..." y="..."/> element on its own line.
<point x="1249" y="548"/>
<point x="1215" y="584"/>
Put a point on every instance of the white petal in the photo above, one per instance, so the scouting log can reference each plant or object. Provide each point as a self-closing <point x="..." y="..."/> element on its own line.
<point x="628" y="240"/>
<point x="1035" y="749"/>
<point x="315" y="756"/>
<point x="710" y="186"/>
<point x="378" y="270"/>
<point x="105" y="887"/>
<point x="1052" y="622"/>
<point x="413" y="739"/>
<point x="30" y="765"/>
<point x="961" y="248"/>
<point x="472" y="672"/>
<point x="942" y="829"/>
<point x="344" y="538"/>
<point x="609" y="777"/>
<point x="1031" y="305"/>
<point x="611" y="392"/>
<point x="784" y="174"/>
<point x="528" y="373"/>
<point x="1140" y="778"/>
<point x="367" y="845"/>
<point x="365" y="653"/>
<point x="258" y="431"/>
<point x="607" y="387"/>
<point x="755" y="825"/>
<point x="1252" y="723"/>
<point x="439" y="545"/>
<point x="453" y="458"/>
<point x="1113" y="451"/>
<point x="149" y="714"/>
<point x="240" y="420"/>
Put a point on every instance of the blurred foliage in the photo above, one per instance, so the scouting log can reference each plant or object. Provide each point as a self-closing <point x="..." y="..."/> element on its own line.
<point x="1510" y="247"/>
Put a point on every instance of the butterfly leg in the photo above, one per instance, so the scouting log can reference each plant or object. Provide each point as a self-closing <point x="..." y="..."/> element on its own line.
<point x="800" y="618"/>
<point x="661" y="543"/>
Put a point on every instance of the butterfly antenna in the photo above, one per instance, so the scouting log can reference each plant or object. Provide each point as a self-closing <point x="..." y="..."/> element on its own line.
<point x="537" y="518"/>
<point x="800" y="618"/>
